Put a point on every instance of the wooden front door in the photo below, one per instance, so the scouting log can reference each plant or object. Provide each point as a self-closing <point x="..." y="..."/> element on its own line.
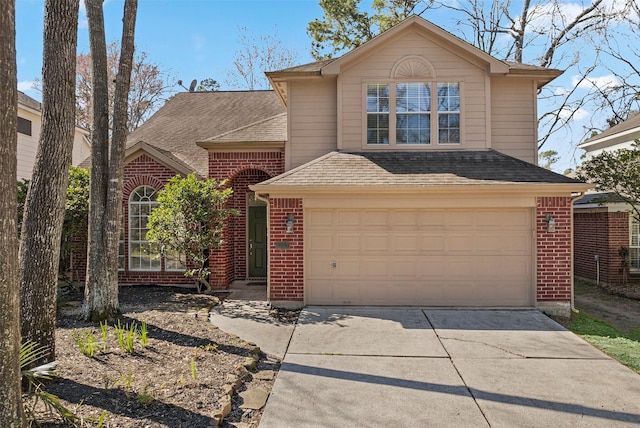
<point x="257" y="241"/>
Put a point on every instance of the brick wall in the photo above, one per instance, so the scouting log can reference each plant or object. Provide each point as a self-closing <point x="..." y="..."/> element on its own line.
<point x="553" y="250"/>
<point x="242" y="169"/>
<point x="227" y="165"/>
<point x="143" y="170"/>
<point x="600" y="233"/>
<point x="286" y="265"/>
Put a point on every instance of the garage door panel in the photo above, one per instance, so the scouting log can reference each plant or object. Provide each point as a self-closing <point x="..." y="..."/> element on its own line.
<point x="347" y="218"/>
<point x="321" y="217"/>
<point x="459" y="242"/>
<point x="405" y="218"/>
<point x="375" y="218"/>
<point x="347" y="242"/>
<point x="375" y="268"/>
<point x="375" y="242"/>
<point x="432" y="242"/>
<point x="404" y="243"/>
<point x="439" y="257"/>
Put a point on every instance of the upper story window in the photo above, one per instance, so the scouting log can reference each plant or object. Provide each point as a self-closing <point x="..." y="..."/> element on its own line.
<point x="24" y="126"/>
<point x="402" y="113"/>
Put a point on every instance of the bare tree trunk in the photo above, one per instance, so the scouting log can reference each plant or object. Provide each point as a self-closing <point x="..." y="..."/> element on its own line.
<point x="107" y="166"/>
<point x="39" y="254"/>
<point x="11" y="411"/>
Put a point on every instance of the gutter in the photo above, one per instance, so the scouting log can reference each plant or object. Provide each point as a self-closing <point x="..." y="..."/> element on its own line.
<point x="573" y="200"/>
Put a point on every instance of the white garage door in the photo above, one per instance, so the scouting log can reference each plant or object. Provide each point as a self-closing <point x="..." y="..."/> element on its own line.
<point x="435" y="257"/>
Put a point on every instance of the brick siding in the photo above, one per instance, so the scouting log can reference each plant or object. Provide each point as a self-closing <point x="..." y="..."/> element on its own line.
<point x="241" y="169"/>
<point x="600" y="233"/>
<point x="142" y="171"/>
<point x="553" y="250"/>
<point x="286" y="266"/>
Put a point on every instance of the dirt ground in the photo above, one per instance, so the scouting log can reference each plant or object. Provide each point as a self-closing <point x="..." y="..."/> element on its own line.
<point x="175" y="380"/>
<point x="617" y="305"/>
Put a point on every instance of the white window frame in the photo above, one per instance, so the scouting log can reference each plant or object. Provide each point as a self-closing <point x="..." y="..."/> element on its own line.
<point x="634" y="243"/>
<point x="147" y="199"/>
<point x="433" y="113"/>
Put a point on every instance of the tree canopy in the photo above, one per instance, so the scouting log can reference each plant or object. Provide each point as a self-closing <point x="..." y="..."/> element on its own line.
<point x="256" y="55"/>
<point x="617" y="172"/>
<point x="150" y="86"/>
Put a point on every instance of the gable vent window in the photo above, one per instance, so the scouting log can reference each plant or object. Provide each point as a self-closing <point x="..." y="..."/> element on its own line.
<point x="24" y="126"/>
<point x="413" y="113"/>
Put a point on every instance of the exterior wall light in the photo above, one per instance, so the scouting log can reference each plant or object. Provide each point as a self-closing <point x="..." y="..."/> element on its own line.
<point x="551" y="224"/>
<point x="289" y="223"/>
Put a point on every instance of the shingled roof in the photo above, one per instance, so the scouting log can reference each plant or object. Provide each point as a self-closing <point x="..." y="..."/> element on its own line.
<point x="627" y="125"/>
<point x="417" y="169"/>
<point x="191" y="117"/>
<point x="27" y="101"/>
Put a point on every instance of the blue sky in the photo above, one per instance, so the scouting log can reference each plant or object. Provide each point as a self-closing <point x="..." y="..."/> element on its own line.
<point x="193" y="39"/>
<point x="197" y="39"/>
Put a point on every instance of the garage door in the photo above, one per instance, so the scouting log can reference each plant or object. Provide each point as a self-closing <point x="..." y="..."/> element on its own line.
<point x="435" y="257"/>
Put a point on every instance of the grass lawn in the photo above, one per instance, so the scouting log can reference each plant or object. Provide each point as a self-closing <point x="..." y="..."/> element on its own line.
<point x="624" y="347"/>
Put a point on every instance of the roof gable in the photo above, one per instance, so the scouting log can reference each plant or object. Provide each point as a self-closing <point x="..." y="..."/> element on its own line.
<point x="435" y="33"/>
<point x="191" y="117"/>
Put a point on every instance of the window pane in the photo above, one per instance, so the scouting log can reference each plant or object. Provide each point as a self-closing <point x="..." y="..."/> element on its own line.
<point x="449" y="128"/>
<point x="449" y="96"/>
<point x="413" y="101"/>
<point x="378" y="113"/>
<point x="141" y="203"/>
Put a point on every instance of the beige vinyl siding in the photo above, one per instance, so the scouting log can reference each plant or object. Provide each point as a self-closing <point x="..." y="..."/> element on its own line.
<point x="449" y="67"/>
<point x="312" y="120"/>
<point x="513" y="118"/>
<point x="28" y="145"/>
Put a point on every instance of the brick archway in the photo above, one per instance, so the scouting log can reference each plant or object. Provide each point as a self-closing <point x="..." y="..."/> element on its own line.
<point x="229" y="262"/>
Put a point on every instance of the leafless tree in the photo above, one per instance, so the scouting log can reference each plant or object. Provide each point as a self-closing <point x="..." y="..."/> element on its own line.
<point x="256" y="55"/>
<point x="150" y="86"/>
<point x="11" y="411"/>
<point x="44" y="207"/>
<point x="107" y="163"/>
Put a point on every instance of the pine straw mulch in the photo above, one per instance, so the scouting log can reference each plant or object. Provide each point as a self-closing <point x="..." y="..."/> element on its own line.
<point x="177" y="380"/>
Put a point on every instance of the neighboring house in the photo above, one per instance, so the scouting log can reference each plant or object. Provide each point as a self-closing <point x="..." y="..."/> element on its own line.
<point x="402" y="173"/>
<point x="602" y="221"/>
<point x="29" y="123"/>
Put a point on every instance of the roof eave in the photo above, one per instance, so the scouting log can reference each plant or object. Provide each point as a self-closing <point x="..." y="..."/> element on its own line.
<point x="225" y="146"/>
<point x="529" y="189"/>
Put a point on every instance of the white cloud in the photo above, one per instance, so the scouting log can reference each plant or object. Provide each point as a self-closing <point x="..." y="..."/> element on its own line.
<point x="25" y="85"/>
<point x="578" y="114"/>
<point x="601" y="82"/>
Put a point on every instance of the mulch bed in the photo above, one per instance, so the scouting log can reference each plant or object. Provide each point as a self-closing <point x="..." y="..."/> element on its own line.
<point x="176" y="380"/>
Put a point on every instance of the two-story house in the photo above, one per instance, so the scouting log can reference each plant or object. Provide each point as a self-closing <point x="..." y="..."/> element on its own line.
<point x="402" y="173"/>
<point x="29" y="124"/>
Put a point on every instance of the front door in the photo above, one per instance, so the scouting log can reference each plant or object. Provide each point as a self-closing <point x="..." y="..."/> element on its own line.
<point x="257" y="241"/>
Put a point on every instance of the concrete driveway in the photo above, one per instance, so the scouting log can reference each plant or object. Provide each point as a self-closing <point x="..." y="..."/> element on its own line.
<point x="405" y="367"/>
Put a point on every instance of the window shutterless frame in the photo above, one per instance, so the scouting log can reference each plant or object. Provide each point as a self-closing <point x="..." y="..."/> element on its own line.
<point x="408" y="114"/>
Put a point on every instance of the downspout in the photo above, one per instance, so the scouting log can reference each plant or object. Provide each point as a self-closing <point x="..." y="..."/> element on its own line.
<point x="573" y="199"/>
<point x="265" y="199"/>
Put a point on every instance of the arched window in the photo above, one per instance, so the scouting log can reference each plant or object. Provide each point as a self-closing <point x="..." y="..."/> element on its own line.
<point x="141" y="201"/>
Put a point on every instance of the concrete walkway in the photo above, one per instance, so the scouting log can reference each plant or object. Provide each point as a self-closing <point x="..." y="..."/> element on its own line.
<point x="245" y="313"/>
<point x="361" y="367"/>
